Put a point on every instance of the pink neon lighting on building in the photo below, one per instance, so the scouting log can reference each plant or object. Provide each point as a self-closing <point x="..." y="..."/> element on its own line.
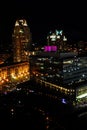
<point x="50" y="48"/>
<point x="53" y="48"/>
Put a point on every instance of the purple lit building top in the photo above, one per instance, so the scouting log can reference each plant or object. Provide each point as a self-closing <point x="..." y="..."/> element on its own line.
<point x="50" y="48"/>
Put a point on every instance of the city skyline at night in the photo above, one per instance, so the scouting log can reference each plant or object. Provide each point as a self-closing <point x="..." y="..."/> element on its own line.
<point x="43" y="17"/>
<point x="43" y="65"/>
<point x="41" y="30"/>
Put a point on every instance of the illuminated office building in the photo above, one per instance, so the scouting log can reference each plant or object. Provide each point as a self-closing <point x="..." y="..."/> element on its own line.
<point x="11" y="75"/>
<point x="21" y="39"/>
<point x="66" y="72"/>
<point x="57" y="38"/>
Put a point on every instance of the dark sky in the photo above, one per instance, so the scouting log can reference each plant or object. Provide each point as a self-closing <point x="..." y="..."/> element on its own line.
<point x="43" y="16"/>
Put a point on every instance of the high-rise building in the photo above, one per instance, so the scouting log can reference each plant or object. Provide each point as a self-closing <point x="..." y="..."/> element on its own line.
<point x="21" y="39"/>
<point x="57" y="38"/>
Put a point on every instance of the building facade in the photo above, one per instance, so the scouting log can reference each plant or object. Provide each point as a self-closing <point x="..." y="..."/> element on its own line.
<point x="21" y="40"/>
<point x="11" y="75"/>
<point x="66" y="72"/>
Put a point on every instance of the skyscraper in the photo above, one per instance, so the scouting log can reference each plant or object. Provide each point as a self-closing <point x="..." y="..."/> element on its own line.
<point x="57" y="38"/>
<point x="21" y="39"/>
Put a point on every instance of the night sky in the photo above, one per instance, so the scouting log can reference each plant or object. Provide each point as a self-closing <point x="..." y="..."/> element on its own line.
<point x="43" y="16"/>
